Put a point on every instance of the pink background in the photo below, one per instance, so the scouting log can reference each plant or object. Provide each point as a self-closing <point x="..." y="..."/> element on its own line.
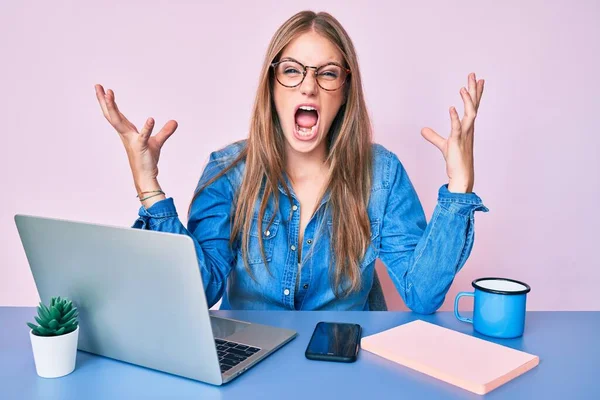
<point x="536" y="133"/>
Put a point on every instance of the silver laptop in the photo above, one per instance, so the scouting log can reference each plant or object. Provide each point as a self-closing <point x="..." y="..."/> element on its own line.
<point x="141" y="299"/>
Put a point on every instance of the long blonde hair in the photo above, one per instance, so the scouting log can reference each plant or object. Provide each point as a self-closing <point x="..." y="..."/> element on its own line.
<point x="349" y="157"/>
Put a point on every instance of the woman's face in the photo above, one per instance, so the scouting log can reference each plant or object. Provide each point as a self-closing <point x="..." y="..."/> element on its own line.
<point x="304" y="129"/>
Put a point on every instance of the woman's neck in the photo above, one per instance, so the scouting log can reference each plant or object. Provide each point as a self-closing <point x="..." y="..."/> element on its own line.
<point x="306" y="166"/>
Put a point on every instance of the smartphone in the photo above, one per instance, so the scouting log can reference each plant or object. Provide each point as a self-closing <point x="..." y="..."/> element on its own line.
<point x="334" y="341"/>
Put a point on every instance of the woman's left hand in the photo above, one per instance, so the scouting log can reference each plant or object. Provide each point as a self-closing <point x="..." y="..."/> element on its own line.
<point x="458" y="148"/>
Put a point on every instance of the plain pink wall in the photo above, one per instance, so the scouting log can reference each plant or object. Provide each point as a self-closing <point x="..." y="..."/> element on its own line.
<point x="537" y="134"/>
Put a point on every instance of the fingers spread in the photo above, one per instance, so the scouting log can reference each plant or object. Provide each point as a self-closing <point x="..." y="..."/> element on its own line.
<point x="434" y="138"/>
<point x="479" y="92"/>
<point x="470" y="112"/>
<point x="473" y="88"/>
<point x="147" y="129"/>
<point x="166" y="132"/>
<point x="117" y="119"/>
<point x="456" y="125"/>
<point x="113" y="112"/>
<point x="100" y="96"/>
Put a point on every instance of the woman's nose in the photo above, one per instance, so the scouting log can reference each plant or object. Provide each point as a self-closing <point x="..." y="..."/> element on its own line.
<point x="309" y="84"/>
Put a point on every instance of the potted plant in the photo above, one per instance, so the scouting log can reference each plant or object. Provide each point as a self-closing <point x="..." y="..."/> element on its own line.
<point x="54" y="340"/>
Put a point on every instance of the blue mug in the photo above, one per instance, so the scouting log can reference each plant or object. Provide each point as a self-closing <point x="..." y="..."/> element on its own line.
<point x="499" y="307"/>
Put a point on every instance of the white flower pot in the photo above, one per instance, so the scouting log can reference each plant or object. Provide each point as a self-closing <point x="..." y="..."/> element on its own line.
<point x="54" y="355"/>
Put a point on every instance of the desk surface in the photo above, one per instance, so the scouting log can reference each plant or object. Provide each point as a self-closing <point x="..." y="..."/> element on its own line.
<point x="566" y="342"/>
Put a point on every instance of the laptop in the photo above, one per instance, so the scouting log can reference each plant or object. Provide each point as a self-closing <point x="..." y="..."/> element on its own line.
<point x="141" y="299"/>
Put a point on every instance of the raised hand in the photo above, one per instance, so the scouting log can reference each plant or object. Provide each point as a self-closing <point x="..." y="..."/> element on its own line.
<point x="458" y="148"/>
<point x="143" y="150"/>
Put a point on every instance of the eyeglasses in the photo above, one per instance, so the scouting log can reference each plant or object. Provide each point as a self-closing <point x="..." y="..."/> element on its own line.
<point x="291" y="73"/>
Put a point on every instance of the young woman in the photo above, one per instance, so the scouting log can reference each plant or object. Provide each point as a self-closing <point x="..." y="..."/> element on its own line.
<point x="294" y="216"/>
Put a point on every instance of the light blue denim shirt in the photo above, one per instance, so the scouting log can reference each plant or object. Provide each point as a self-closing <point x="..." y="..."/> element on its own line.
<point x="422" y="259"/>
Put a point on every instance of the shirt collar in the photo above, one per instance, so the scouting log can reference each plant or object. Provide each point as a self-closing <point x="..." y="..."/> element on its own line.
<point x="324" y="200"/>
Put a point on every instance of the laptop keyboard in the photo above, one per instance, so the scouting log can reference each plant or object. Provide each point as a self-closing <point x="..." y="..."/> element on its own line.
<point x="232" y="353"/>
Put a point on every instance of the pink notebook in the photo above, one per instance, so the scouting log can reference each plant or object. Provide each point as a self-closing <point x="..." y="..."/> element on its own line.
<point x="468" y="362"/>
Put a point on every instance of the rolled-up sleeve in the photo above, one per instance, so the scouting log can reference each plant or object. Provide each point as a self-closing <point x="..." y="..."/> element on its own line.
<point x="208" y="225"/>
<point x="423" y="258"/>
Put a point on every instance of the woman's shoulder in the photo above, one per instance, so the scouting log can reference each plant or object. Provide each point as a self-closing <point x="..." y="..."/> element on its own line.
<point x="383" y="154"/>
<point x="385" y="165"/>
<point x="222" y="158"/>
<point x="230" y="151"/>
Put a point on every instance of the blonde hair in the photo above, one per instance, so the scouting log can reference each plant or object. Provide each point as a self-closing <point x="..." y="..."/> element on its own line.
<point x="349" y="147"/>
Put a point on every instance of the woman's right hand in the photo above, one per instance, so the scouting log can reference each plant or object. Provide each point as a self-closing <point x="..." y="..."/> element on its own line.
<point x="143" y="150"/>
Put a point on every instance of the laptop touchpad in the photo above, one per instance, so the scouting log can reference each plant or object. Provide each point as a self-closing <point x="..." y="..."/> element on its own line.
<point x="223" y="327"/>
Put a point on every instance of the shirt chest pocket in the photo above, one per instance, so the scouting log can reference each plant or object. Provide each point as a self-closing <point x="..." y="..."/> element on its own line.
<point x="268" y="233"/>
<point x="373" y="249"/>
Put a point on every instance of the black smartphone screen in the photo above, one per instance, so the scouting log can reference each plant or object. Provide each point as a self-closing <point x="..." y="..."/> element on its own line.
<point x="333" y="341"/>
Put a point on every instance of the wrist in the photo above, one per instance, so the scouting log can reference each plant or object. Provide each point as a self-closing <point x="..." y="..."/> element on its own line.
<point x="146" y="185"/>
<point x="149" y="191"/>
<point x="152" y="198"/>
<point x="460" y="187"/>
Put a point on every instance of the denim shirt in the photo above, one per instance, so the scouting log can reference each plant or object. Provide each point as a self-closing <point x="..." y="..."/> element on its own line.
<point x="422" y="259"/>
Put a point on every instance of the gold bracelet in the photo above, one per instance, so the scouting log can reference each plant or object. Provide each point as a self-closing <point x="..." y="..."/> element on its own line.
<point x="153" y="195"/>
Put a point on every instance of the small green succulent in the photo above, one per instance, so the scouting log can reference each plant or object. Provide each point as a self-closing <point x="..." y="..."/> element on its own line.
<point x="58" y="319"/>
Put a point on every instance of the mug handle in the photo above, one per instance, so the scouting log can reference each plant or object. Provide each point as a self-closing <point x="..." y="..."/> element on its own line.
<point x="458" y="296"/>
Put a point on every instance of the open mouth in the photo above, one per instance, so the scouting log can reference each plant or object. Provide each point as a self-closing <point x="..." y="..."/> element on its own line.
<point x="306" y="122"/>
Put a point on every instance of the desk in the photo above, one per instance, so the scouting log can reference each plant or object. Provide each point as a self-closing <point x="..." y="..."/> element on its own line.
<point x="567" y="343"/>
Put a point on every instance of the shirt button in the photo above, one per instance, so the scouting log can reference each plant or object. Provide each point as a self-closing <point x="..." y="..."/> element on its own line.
<point x="295" y="207"/>
<point x="309" y="241"/>
<point x="305" y="286"/>
<point x="286" y="292"/>
<point x="267" y="233"/>
<point x="293" y="248"/>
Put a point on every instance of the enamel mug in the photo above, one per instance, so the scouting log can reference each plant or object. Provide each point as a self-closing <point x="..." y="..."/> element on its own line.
<point x="499" y="307"/>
